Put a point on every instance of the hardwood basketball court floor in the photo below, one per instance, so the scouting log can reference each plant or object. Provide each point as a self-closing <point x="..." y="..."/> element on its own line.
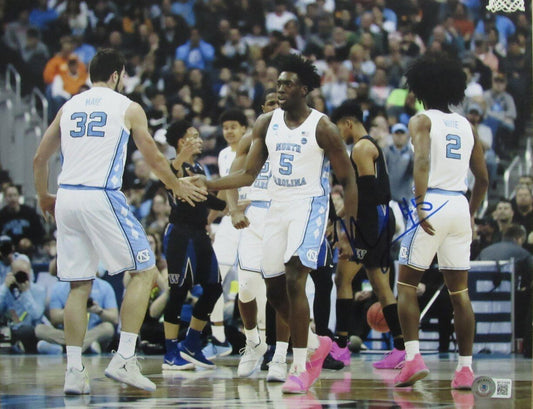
<point x="36" y="381"/>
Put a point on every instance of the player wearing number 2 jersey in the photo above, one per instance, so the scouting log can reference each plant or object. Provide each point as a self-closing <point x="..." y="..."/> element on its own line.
<point x="93" y="219"/>
<point x="445" y="146"/>
<point x="300" y="143"/>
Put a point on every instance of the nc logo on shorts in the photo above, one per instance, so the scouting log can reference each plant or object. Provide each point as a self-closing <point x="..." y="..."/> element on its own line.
<point x="143" y="256"/>
<point x="312" y="255"/>
<point x="275" y="127"/>
<point x="403" y="252"/>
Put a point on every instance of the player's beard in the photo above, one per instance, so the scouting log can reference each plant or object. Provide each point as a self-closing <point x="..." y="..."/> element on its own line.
<point x="116" y="85"/>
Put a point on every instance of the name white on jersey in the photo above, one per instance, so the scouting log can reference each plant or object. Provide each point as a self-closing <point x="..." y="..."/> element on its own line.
<point x="94" y="139"/>
<point x="452" y="141"/>
<point x="299" y="166"/>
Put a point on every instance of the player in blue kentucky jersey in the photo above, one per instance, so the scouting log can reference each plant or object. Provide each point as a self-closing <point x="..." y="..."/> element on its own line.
<point x="445" y="147"/>
<point x="299" y="142"/>
<point x="93" y="219"/>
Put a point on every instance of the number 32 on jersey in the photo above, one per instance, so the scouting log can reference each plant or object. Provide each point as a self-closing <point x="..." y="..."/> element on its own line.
<point x="89" y="124"/>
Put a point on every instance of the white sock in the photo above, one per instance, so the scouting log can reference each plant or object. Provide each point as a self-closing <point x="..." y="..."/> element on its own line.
<point x="312" y="340"/>
<point x="464" y="361"/>
<point x="280" y="354"/>
<point x="218" y="333"/>
<point x="411" y="349"/>
<point x="299" y="360"/>
<point x="74" y="358"/>
<point x="252" y="336"/>
<point x="262" y="333"/>
<point x="127" y="343"/>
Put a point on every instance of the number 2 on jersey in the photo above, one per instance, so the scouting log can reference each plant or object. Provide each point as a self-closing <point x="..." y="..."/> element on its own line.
<point x="453" y="146"/>
<point x="97" y="120"/>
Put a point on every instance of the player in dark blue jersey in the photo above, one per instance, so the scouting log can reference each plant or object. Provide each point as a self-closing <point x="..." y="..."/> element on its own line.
<point x="190" y="256"/>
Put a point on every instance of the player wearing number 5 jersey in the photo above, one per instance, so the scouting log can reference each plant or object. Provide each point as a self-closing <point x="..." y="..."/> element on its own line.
<point x="300" y="144"/>
<point x="445" y="147"/>
<point x="93" y="219"/>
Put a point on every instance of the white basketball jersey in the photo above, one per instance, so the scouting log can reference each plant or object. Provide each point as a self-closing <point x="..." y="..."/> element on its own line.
<point x="452" y="141"/>
<point x="300" y="168"/>
<point x="258" y="191"/>
<point x="225" y="158"/>
<point x="94" y="139"/>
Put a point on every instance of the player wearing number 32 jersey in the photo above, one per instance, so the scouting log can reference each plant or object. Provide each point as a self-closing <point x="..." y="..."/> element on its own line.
<point x="94" y="222"/>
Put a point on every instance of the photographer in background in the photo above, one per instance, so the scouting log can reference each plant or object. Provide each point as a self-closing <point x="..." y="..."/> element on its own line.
<point x="22" y="305"/>
<point x="6" y="256"/>
<point x="103" y="310"/>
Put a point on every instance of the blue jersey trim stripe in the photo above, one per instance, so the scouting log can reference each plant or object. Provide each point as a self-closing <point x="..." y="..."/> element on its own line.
<point x="83" y="187"/>
<point x="110" y="201"/>
<point x="118" y="160"/>
<point x="445" y="192"/>
<point x="264" y="204"/>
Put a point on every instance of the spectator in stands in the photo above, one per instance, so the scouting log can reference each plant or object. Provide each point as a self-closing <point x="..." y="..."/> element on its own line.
<point x="22" y="305"/>
<point x="41" y="16"/>
<point x="157" y="219"/>
<point x="67" y="83"/>
<point x="6" y="256"/>
<point x="400" y="158"/>
<point x="234" y="52"/>
<point x="196" y="52"/>
<point x="523" y="212"/>
<point x="517" y="68"/>
<point x="474" y="114"/>
<point x="514" y="236"/>
<point x="35" y="55"/>
<point x="275" y="20"/>
<point x="485" y="233"/>
<point x="503" y="214"/>
<point x="76" y="15"/>
<point x="504" y="26"/>
<point x="172" y="33"/>
<point x="103" y="310"/>
<point x="16" y="31"/>
<point x="19" y="220"/>
<point x="501" y="114"/>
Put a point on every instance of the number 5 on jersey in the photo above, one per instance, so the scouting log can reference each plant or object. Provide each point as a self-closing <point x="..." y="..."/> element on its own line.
<point x="97" y="120"/>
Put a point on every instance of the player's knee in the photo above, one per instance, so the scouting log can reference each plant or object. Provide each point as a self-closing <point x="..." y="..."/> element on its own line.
<point x="249" y="286"/>
<point x="207" y="301"/>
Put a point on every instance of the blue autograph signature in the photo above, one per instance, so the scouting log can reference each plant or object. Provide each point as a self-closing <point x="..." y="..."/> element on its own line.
<point x="409" y="213"/>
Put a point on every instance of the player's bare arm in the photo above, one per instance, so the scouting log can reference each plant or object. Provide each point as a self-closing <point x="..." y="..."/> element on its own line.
<point x="479" y="170"/>
<point x="48" y="146"/>
<point x="182" y="188"/>
<point x="419" y="128"/>
<point x="329" y="139"/>
<point x="364" y="154"/>
<point x="255" y="159"/>
<point x="236" y="211"/>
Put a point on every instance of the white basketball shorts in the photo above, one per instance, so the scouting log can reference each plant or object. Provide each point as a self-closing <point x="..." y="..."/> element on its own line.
<point x="450" y="217"/>
<point x="294" y="228"/>
<point x="97" y="225"/>
<point x="251" y="242"/>
<point x="226" y="242"/>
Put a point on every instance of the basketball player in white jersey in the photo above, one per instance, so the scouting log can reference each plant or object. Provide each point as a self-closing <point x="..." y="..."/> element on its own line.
<point x="299" y="142"/>
<point x="252" y="290"/>
<point x="93" y="219"/>
<point x="445" y="146"/>
<point x="234" y="123"/>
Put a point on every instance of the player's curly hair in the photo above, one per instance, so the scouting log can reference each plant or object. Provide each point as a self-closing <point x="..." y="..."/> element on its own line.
<point x="437" y="79"/>
<point x="305" y="69"/>
<point x="177" y="130"/>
